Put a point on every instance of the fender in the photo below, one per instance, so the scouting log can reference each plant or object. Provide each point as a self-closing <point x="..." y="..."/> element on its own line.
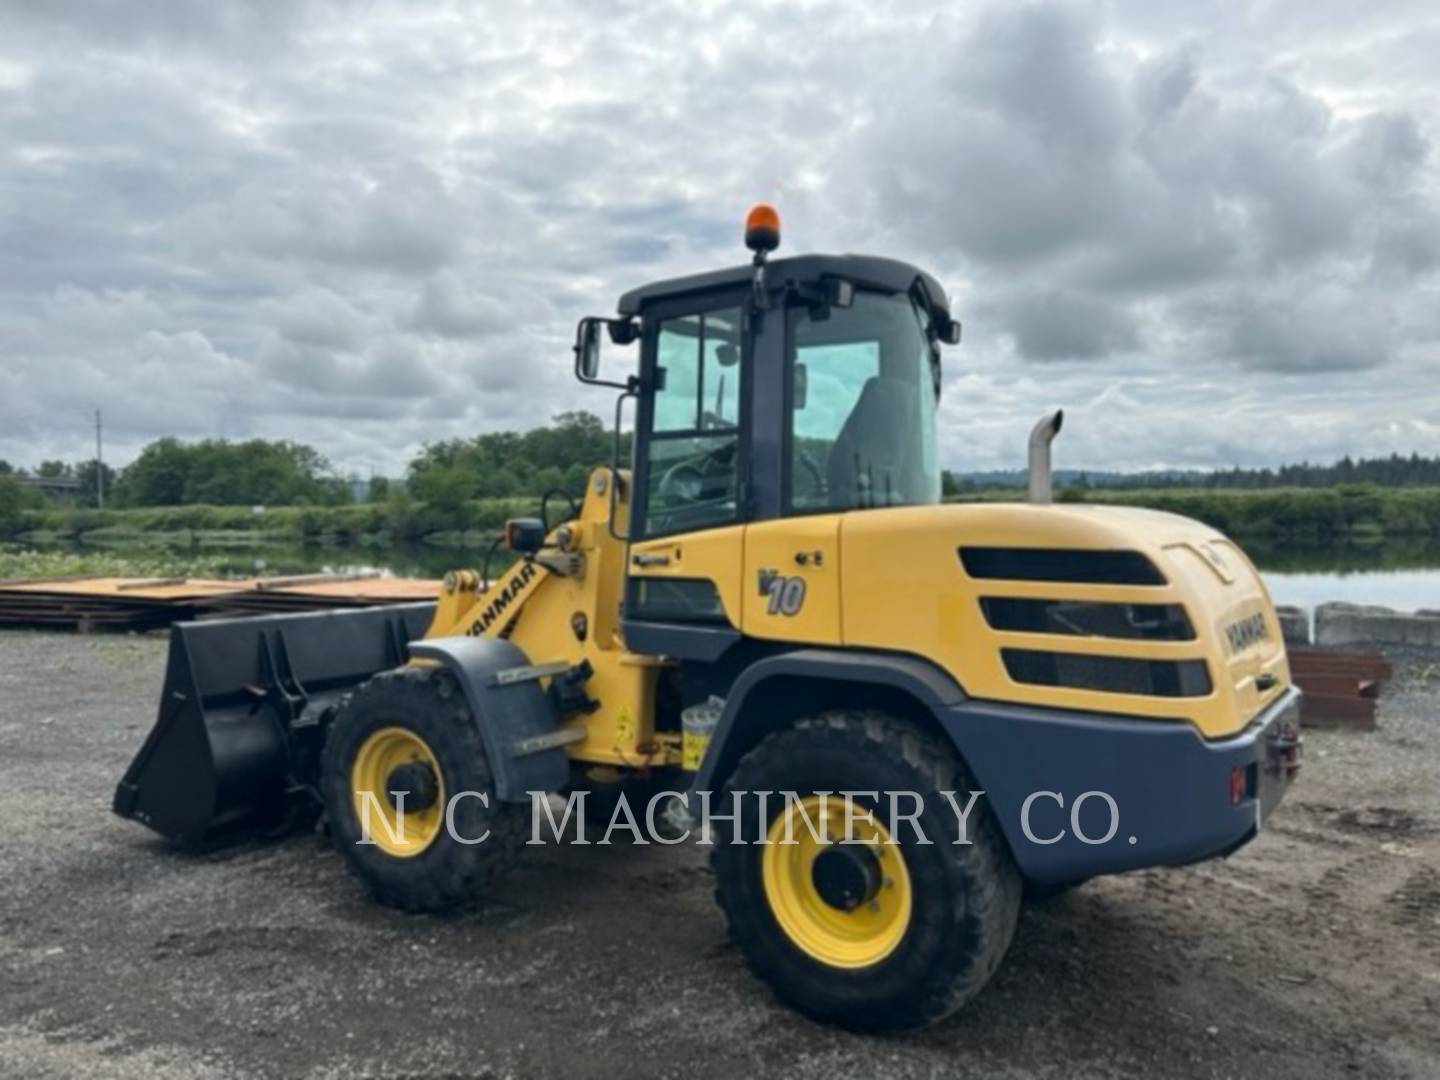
<point x="1168" y="792"/>
<point x="931" y="686"/>
<point x="517" y="721"/>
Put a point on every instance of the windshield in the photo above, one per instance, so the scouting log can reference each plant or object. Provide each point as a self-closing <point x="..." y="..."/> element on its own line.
<point x="862" y="422"/>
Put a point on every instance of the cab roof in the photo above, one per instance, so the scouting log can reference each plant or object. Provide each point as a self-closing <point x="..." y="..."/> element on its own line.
<point x="865" y="271"/>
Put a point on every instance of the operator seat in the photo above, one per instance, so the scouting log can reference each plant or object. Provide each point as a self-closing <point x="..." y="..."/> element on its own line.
<point x="872" y="461"/>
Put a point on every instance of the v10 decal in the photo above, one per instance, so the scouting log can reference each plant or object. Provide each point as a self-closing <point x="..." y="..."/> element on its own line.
<point x="787" y="594"/>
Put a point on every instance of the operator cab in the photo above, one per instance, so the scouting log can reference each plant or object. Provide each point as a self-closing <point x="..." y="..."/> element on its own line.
<point x="800" y="386"/>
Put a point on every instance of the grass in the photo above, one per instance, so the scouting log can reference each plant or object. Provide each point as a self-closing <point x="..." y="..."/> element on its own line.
<point x="398" y="520"/>
<point x="25" y="563"/>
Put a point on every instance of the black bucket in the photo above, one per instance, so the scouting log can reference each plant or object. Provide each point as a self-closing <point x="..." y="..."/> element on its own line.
<point x="236" y="746"/>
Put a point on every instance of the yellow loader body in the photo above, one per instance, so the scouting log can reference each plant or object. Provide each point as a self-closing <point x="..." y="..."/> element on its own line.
<point x="894" y="580"/>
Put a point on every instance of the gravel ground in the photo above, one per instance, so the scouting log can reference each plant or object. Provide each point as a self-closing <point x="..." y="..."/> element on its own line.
<point x="1314" y="952"/>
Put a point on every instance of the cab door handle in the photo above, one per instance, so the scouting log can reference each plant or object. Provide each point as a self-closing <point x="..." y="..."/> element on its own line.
<point x="810" y="558"/>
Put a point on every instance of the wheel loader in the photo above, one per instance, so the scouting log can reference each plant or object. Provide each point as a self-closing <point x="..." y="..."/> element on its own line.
<point x="770" y="598"/>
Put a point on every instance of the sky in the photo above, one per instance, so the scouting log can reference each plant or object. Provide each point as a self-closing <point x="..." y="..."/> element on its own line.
<point x="1209" y="230"/>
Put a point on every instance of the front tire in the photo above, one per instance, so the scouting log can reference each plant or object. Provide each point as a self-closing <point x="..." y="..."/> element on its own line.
<point x="883" y="934"/>
<point x="411" y="729"/>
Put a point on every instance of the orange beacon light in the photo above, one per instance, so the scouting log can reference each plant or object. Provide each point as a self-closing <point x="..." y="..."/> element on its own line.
<point x="762" y="228"/>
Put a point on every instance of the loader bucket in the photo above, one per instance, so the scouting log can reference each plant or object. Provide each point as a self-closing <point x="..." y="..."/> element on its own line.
<point x="236" y="746"/>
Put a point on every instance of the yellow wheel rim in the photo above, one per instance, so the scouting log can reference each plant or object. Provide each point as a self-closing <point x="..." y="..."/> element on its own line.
<point x="867" y="924"/>
<point x="384" y="751"/>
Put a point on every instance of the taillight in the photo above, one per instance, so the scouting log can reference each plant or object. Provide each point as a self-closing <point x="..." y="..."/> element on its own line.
<point x="1237" y="785"/>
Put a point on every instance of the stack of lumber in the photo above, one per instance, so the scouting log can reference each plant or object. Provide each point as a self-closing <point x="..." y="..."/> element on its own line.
<point x="110" y="603"/>
<point x="129" y="603"/>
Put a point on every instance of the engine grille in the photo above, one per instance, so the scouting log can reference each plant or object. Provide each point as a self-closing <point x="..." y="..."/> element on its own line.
<point x="1088" y="618"/>
<point x="1113" y="674"/>
<point x="1078" y="565"/>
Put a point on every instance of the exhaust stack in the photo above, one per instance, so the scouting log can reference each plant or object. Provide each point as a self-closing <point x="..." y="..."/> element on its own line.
<point x="1041" y="437"/>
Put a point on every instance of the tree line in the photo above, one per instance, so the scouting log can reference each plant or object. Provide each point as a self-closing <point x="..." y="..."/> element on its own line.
<point x="261" y="472"/>
<point x="1397" y="470"/>
<point x="558" y="456"/>
<point x="1393" y="471"/>
<point x="214" y="472"/>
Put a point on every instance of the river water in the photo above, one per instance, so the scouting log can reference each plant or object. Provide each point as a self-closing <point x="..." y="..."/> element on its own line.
<point x="1403" y="590"/>
<point x="1404" y="575"/>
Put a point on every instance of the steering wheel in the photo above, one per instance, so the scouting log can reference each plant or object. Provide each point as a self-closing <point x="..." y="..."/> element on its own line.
<point x="683" y="483"/>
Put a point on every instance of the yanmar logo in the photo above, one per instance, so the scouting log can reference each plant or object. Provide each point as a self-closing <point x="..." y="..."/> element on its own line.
<point x="495" y="608"/>
<point x="1247" y="632"/>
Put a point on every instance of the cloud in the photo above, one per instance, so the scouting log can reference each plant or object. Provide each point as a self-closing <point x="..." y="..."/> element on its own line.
<point x="446" y="307"/>
<point x="403" y="223"/>
<point x="369" y="226"/>
<point x="1066" y="325"/>
<point x="1313" y="334"/>
<point x="1100" y="176"/>
<point x="317" y="317"/>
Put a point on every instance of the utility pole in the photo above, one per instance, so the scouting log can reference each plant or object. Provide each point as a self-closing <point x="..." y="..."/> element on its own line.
<point x="99" y="466"/>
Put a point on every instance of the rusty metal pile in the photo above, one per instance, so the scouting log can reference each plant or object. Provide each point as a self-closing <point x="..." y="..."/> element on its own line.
<point x="134" y="604"/>
<point x="1341" y="688"/>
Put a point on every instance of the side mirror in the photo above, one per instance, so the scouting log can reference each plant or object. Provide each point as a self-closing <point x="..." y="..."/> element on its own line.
<point x="587" y="349"/>
<point x="948" y="330"/>
<point x="802" y="386"/>
<point x="587" y="346"/>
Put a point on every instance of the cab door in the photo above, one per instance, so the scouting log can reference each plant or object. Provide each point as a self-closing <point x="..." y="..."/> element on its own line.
<point x="791" y="586"/>
<point x="686" y="551"/>
<point x="826" y="468"/>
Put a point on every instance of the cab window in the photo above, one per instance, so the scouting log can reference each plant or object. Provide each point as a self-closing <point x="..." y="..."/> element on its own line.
<point x="862" y="418"/>
<point x="693" y="449"/>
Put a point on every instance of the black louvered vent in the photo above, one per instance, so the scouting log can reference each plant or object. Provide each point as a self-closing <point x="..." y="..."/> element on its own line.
<point x="1078" y="565"/>
<point x="1088" y="618"/>
<point x="675" y="600"/>
<point x="1114" y="674"/>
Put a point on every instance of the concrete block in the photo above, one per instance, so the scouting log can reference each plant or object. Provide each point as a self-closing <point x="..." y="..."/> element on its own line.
<point x="1294" y="624"/>
<point x="1347" y="624"/>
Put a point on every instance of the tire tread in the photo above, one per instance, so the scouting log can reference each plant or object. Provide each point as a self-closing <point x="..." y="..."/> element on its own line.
<point x="992" y="883"/>
<point x="422" y="883"/>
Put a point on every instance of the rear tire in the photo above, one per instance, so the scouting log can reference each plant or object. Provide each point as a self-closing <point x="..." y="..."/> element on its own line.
<point x="418" y="714"/>
<point x="959" y="902"/>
